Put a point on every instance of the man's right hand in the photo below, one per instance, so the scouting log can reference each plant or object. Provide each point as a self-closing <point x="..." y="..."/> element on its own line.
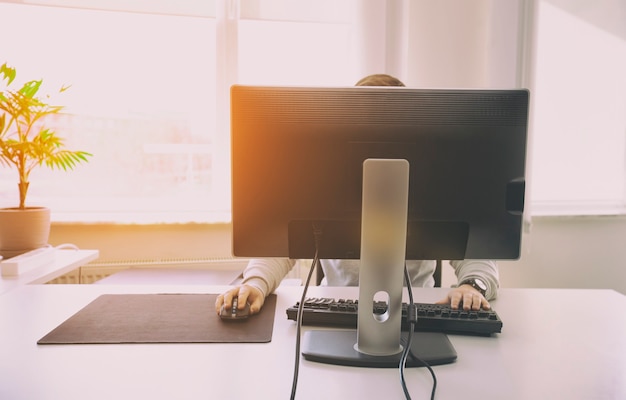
<point x="246" y="294"/>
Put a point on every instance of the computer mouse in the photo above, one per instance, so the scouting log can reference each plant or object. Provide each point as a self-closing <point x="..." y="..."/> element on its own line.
<point x="233" y="313"/>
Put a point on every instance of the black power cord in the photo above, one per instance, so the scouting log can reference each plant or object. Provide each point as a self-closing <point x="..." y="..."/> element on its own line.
<point x="318" y="236"/>
<point x="412" y="320"/>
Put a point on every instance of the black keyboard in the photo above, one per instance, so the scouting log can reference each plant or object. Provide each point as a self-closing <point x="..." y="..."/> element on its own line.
<point x="430" y="317"/>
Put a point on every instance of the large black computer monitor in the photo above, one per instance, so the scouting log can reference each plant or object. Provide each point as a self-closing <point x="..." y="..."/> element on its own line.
<point x="298" y="156"/>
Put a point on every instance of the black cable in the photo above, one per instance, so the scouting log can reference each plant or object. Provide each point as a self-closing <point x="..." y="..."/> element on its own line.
<point x="405" y="353"/>
<point x="412" y="319"/>
<point x="432" y="373"/>
<point x="318" y="234"/>
<point x="407" y="346"/>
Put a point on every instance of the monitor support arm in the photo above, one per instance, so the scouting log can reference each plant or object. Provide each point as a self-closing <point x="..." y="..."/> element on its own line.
<point x="383" y="249"/>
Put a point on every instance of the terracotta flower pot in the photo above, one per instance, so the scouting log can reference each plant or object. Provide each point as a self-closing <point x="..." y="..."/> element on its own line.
<point x="23" y="230"/>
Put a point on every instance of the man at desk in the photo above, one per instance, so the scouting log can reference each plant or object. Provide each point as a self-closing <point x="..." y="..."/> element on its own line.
<point x="478" y="279"/>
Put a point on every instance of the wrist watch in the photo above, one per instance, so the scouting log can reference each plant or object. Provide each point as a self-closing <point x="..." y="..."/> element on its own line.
<point x="476" y="283"/>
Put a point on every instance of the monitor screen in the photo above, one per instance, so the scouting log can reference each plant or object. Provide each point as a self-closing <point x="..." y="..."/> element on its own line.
<point x="297" y="162"/>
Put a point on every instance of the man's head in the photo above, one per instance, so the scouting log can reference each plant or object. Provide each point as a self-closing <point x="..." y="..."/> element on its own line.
<point x="379" y="80"/>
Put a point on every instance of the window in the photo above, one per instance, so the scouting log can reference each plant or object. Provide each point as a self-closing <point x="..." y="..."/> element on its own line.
<point x="142" y="100"/>
<point x="579" y="136"/>
<point x="149" y="89"/>
<point x="146" y="95"/>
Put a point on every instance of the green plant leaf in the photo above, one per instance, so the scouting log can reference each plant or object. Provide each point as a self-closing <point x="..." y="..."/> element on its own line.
<point x="8" y="73"/>
<point x="30" y="89"/>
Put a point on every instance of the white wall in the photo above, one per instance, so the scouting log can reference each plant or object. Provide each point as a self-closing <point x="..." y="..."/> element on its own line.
<point x="573" y="252"/>
<point x="465" y="44"/>
<point x="559" y="252"/>
<point x="118" y="242"/>
<point x="568" y="252"/>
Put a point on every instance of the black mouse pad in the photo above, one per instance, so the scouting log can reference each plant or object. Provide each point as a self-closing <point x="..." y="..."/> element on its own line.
<point x="160" y="318"/>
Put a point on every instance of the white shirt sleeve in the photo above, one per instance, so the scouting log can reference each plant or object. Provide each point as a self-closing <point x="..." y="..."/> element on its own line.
<point x="486" y="270"/>
<point x="266" y="273"/>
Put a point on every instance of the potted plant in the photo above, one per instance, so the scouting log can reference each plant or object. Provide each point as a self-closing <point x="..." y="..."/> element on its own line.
<point x="26" y="143"/>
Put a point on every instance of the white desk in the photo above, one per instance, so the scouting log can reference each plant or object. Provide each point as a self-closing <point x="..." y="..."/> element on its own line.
<point x="555" y="344"/>
<point x="64" y="262"/>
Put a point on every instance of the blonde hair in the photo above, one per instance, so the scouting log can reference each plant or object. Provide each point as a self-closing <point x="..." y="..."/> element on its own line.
<point x="379" y="80"/>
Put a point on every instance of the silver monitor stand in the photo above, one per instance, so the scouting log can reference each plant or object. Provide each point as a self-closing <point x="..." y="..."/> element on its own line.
<point x="377" y="341"/>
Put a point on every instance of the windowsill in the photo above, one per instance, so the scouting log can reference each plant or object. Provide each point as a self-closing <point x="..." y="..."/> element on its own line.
<point x="576" y="209"/>
<point x="159" y="241"/>
<point x="139" y="218"/>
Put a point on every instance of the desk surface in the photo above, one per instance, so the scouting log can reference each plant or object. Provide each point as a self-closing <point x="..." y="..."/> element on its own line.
<point x="566" y="344"/>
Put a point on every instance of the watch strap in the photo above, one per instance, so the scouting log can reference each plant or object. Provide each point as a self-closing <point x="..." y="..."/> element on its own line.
<point x="480" y="286"/>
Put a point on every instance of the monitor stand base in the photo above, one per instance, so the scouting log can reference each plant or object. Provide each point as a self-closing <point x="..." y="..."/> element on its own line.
<point x="338" y="347"/>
